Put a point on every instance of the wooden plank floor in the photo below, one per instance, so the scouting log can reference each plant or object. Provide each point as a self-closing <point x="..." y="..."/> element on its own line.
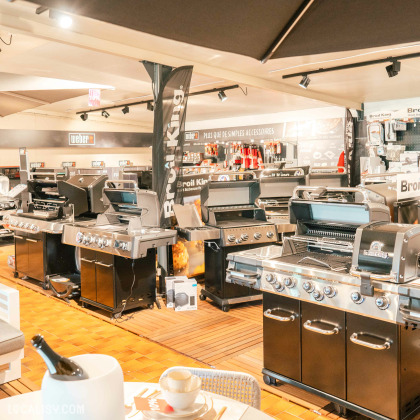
<point x="207" y="337"/>
<point x="20" y="386"/>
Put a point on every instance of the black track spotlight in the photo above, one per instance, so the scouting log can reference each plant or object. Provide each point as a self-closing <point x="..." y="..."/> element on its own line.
<point x="222" y="96"/>
<point x="305" y="81"/>
<point x="393" y="69"/>
<point x="125" y="110"/>
<point x="150" y="106"/>
<point x="105" y="114"/>
<point x="84" y="116"/>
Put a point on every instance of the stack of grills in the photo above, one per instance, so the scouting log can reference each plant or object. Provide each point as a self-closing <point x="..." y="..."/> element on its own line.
<point x="342" y="304"/>
<point x="118" y="249"/>
<point x="39" y="252"/>
<point x="233" y="223"/>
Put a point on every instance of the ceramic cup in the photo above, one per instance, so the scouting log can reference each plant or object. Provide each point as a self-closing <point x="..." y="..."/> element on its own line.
<point x="100" y="397"/>
<point x="183" y="399"/>
<point x="179" y="380"/>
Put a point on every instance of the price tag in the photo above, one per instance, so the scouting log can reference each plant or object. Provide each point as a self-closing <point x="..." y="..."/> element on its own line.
<point x="37" y="165"/>
<point x="125" y="163"/>
<point x="68" y="164"/>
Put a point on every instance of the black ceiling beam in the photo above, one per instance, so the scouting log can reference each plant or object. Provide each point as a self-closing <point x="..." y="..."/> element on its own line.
<point x="201" y="92"/>
<point x="354" y="65"/>
<point x="306" y="4"/>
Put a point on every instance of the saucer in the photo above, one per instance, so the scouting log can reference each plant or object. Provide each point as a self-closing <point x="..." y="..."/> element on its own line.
<point x="201" y="406"/>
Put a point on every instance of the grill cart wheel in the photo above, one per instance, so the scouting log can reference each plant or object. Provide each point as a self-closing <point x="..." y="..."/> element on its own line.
<point x="150" y="306"/>
<point x="225" y="308"/>
<point x="269" y="380"/>
<point x="202" y="297"/>
<point x="15" y="274"/>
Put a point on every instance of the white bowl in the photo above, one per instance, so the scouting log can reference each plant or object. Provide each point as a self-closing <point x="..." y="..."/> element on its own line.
<point x="181" y="400"/>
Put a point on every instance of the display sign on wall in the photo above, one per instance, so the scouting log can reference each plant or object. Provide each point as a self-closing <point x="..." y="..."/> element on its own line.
<point x="94" y="97"/>
<point x="191" y="185"/>
<point x="408" y="185"/>
<point x="35" y="165"/>
<point x="405" y="114"/>
<point x="125" y="163"/>
<point x="98" y="163"/>
<point x="68" y="164"/>
<point x="81" y="139"/>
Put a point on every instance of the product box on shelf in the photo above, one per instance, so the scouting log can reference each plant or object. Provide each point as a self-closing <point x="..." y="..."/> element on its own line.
<point x="185" y="295"/>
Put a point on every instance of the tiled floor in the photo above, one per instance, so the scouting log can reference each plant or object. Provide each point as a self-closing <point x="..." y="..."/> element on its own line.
<point x="70" y="331"/>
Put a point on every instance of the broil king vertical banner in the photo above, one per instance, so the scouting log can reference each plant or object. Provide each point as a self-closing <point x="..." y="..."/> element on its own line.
<point x="350" y="148"/>
<point x="169" y="128"/>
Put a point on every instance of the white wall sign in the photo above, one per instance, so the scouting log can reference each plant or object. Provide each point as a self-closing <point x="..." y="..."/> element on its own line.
<point x="408" y="185"/>
<point x="81" y="139"/>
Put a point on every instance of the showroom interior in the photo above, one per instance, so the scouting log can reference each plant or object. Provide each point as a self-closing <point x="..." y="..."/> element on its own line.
<point x="209" y="210"/>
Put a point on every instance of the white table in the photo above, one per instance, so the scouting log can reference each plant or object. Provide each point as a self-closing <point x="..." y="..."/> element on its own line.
<point x="29" y="406"/>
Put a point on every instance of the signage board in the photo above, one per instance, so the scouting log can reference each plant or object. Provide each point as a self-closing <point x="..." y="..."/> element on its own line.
<point x="68" y="164"/>
<point x="98" y="163"/>
<point x="191" y="135"/>
<point x="81" y="139"/>
<point x="94" y="97"/>
<point x="37" y="165"/>
<point x="124" y="163"/>
<point x="408" y="185"/>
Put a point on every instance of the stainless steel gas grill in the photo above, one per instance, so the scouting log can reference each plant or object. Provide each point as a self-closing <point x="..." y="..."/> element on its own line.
<point x="277" y="187"/>
<point x="118" y="249"/>
<point x="38" y="248"/>
<point x="233" y="222"/>
<point x="341" y="312"/>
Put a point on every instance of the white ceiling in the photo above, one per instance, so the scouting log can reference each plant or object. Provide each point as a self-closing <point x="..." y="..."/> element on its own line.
<point x="95" y="52"/>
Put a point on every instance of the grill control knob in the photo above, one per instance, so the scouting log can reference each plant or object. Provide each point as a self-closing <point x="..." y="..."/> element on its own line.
<point x="231" y="238"/>
<point x="279" y="286"/>
<point x="257" y="235"/>
<point x="36" y="229"/>
<point x="317" y="295"/>
<point x="238" y="241"/>
<point x="100" y="242"/>
<point x="271" y="278"/>
<point x="32" y="226"/>
<point x="117" y="244"/>
<point x="289" y="282"/>
<point x="87" y="239"/>
<point x="244" y="237"/>
<point x="26" y="226"/>
<point x="124" y="246"/>
<point x="308" y="286"/>
<point x="21" y="224"/>
<point x="106" y="243"/>
<point x="357" y="298"/>
<point x="79" y="237"/>
<point x="14" y="223"/>
<point x="270" y="235"/>
<point x="382" y="302"/>
<point x="330" y="291"/>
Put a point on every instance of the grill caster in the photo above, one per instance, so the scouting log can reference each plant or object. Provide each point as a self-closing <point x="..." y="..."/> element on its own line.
<point x="15" y="274"/>
<point x="269" y="380"/>
<point x="225" y="308"/>
<point x="46" y="285"/>
<point x="202" y="297"/>
<point x="150" y="306"/>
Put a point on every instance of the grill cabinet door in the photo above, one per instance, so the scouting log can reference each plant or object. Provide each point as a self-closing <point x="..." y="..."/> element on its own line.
<point x="87" y="274"/>
<point x="21" y="253"/>
<point x="105" y="279"/>
<point x="324" y="348"/>
<point x="281" y="328"/>
<point x="372" y="374"/>
<point x="35" y="258"/>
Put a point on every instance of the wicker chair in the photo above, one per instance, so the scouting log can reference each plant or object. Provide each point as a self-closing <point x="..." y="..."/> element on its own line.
<point x="236" y="385"/>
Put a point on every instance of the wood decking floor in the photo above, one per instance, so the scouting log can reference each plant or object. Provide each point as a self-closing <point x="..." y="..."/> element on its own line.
<point x="147" y="342"/>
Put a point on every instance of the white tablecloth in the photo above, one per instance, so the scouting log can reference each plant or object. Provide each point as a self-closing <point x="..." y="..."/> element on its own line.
<point x="29" y="406"/>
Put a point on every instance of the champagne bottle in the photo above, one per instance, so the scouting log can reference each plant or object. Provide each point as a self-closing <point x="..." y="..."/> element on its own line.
<point x="60" y="368"/>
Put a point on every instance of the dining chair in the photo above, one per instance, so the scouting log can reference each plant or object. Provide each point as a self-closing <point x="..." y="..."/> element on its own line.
<point x="236" y="385"/>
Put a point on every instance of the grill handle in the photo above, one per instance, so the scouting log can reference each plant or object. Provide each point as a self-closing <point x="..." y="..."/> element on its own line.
<point x="308" y="326"/>
<point x="243" y="275"/>
<point x="373" y="276"/>
<point x="408" y="314"/>
<point x="354" y="338"/>
<point x="120" y="181"/>
<point x="268" y="314"/>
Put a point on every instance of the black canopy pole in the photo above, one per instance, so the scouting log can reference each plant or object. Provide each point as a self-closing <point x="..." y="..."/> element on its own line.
<point x="306" y="4"/>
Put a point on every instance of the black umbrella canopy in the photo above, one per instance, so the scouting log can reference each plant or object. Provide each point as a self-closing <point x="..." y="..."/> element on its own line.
<point x="253" y="27"/>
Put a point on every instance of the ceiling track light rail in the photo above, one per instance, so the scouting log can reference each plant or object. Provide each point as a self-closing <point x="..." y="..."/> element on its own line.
<point x="392" y="60"/>
<point x="150" y="102"/>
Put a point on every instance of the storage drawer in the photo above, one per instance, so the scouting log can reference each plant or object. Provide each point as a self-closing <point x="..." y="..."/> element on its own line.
<point x="281" y="326"/>
<point x="324" y="348"/>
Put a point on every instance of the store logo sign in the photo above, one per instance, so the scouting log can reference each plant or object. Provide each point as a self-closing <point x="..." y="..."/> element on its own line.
<point x="98" y="163"/>
<point x="37" y="165"/>
<point x="81" y="139"/>
<point x="408" y="185"/>
<point x="191" y="135"/>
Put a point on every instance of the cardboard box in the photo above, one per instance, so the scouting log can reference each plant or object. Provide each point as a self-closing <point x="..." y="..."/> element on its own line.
<point x="170" y="289"/>
<point x="185" y="295"/>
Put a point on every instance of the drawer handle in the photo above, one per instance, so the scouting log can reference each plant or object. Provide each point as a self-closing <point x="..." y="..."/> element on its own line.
<point x="31" y="240"/>
<point x="408" y="314"/>
<point x="243" y="275"/>
<point x="104" y="265"/>
<point x="268" y="314"/>
<point x="354" y="338"/>
<point x="19" y="237"/>
<point x="308" y="326"/>
<point x="86" y="260"/>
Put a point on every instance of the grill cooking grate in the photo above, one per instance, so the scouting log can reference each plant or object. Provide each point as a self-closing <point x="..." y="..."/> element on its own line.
<point x="336" y="262"/>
